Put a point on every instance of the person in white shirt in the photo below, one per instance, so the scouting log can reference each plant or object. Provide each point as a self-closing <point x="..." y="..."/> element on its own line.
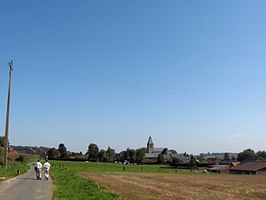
<point x="38" y="170"/>
<point x="46" y="167"/>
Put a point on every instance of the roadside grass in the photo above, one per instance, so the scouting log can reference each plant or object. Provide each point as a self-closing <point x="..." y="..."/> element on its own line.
<point x="12" y="169"/>
<point x="27" y="159"/>
<point x="69" y="184"/>
<point x="14" y="166"/>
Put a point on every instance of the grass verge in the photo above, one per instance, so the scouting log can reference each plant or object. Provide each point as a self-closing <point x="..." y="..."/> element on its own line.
<point x="14" y="166"/>
<point x="67" y="184"/>
<point x="12" y="169"/>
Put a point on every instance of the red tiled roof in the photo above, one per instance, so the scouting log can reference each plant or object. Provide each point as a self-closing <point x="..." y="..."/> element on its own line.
<point x="234" y="164"/>
<point x="250" y="166"/>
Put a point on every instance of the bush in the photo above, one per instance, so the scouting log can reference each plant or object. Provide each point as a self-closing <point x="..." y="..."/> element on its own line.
<point x="21" y="158"/>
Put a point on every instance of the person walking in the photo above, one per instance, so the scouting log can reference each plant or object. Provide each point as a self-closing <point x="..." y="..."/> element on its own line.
<point x="38" y="170"/>
<point x="46" y="167"/>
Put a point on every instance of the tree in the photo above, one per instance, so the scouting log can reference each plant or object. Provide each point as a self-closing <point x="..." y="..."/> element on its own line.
<point x="176" y="161"/>
<point x="246" y="154"/>
<point x="102" y="155"/>
<point x="226" y="156"/>
<point x="62" y="151"/>
<point x="2" y="141"/>
<point x="140" y="155"/>
<point x="193" y="163"/>
<point x="261" y="155"/>
<point x="131" y="155"/>
<point x="122" y="156"/>
<point x="110" y="154"/>
<point x="53" y="153"/>
<point x="164" y="152"/>
<point x="160" y="159"/>
<point x="93" y="152"/>
<point x="173" y="151"/>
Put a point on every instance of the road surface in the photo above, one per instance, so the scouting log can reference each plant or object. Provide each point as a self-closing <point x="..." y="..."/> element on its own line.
<point x="26" y="187"/>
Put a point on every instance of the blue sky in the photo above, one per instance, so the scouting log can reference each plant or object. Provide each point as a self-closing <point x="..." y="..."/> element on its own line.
<point x="190" y="73"/>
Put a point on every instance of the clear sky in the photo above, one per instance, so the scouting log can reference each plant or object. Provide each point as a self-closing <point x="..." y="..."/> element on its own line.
<point x="190" y="73"/>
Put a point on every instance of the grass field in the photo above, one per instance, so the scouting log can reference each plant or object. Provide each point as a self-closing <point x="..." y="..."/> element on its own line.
<point x="111" y="167"/>
<point x="81" y="180"/>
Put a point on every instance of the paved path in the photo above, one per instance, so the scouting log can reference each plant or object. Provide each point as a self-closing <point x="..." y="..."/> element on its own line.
<point x="26" y="187"/>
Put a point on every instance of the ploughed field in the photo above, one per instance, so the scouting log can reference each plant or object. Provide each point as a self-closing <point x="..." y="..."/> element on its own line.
<point x="162" y="186"/>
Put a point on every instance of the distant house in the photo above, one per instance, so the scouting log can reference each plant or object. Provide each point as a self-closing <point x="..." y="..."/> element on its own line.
<point x="249" y="168"/>
<point x="28" y="151"/>
<point x="223" y="167"/>
<point x="231" y="163"/>
<point x="214" y="161"/>
<point x="234" y="163"/>
<point x="181" y="158"/>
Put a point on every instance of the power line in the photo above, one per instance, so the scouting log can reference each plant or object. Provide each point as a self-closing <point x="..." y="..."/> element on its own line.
<point x="250" y="101"/>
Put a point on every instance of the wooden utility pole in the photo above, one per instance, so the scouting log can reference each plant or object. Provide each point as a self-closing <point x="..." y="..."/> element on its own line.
<point x="7" y="114"/>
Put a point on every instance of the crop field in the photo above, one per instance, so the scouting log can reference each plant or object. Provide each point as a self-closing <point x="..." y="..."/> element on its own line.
<point x="80" y="180"/>
<point x="161" y="186"/>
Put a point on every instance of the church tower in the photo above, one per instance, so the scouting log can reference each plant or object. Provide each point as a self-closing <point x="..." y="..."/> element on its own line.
<point x="150" y="145"/>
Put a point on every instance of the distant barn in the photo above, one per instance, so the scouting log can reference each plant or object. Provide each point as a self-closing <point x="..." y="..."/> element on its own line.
<point x="249" y="168"/>
<point x="219" y="169"/>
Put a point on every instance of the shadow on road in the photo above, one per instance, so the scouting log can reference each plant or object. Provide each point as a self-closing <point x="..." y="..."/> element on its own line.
<point x="28" y="179"/>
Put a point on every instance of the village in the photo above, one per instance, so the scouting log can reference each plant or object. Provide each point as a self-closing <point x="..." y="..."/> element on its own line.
<point x="246" y="162"/>
<point x="213" y="163"/>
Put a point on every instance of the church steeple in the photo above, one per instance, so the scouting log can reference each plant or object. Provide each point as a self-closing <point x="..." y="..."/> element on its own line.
<point x="150" y="145"/>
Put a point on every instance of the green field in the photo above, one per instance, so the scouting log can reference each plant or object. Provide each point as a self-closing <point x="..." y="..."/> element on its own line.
<point x="111" y="167"/>
<point x="68" y="184"/>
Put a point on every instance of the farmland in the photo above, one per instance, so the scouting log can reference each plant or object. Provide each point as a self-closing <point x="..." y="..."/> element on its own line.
<point x="80" y="180"/>
<point x="161" y="186"/>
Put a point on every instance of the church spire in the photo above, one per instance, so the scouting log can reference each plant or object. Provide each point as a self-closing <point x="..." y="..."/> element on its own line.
<point x="150" y="142"/>
<point x="150" y="145"/>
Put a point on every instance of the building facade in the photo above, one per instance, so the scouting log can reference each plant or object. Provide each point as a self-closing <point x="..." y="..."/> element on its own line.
<point x="152" y="151"/>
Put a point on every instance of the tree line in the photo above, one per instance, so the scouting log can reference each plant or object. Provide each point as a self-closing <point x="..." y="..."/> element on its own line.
<point x="95" y="154"/>
<point x="250" y="154"/>
<point x="109" y="155"/>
